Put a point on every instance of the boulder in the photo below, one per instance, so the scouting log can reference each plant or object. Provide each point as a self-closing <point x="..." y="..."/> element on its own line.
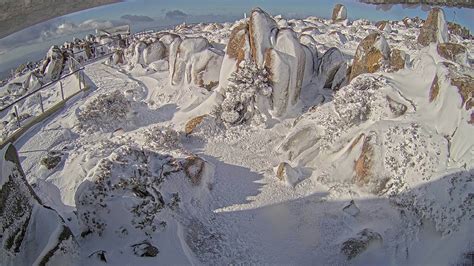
<point x="339" y="13"/>
<point x="351" y="209"/>
<point x="30" y="233"/>
<point x="138" y="49"/>
<point x="459" y="30"/>
<point x="262" y="30"/>
<point x="54" y="63"/>
<point x="453" y="52"/>
<point x="435" y="29"/>
<point x="398" y="59"/>
<point x="358" y="244"/>
<point x="291" y="176"/>
<point x="371" y="55"/>
<point x="118" y="57"/>
<point x="194" y="168"/>
<point x="204" y="68"/>
<point x="384" y="26"/>
<point x="154" y="52"/>
<point x="465" y="86"/>
<point x="332" y="63"/>
<point x="181" y="53"/>
<point x="145" y="249"/>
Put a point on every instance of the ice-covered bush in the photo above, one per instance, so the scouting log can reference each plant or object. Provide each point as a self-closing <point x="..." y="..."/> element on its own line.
<point x="240" y="97"/>
<point x="104" y="112"/>
<point x="159" y="137"/>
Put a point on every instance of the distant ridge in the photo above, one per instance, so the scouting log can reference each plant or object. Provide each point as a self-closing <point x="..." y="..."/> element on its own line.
<point x="450" y="3"/>
<point x="16" y="15"/>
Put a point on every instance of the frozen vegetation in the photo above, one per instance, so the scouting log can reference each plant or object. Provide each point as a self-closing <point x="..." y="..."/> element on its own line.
<point x="269" y="140"/>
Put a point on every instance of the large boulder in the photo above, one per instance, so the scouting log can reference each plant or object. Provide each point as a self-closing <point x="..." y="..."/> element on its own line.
<point x="30" y="232"/>
<point x="435" y="29"/>
<point x="339" y="13"/>
<point x="290" y="64"/>
<point x="371" y="55"/>
<point x="53" y="64"/>
<point x="180" y="54"/>
<point x="204" y="68"/>
<point x="332" y="69"/>
<point x="154" y="52"/>
<point x="398" y="59"/>
<point x="453" y="52"/>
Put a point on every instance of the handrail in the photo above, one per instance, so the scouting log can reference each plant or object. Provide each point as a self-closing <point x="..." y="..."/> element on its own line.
<point x="39" y="89"/>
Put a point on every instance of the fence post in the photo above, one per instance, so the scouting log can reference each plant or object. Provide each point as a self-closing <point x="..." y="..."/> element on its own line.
<point x="17" y="116"/>
<point x="62" y="90"/>
<point x="41" y="102"/>
<point x="79" y="77"/>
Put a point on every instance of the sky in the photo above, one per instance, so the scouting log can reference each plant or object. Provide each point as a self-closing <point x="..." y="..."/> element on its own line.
<point x="32" y="43"/>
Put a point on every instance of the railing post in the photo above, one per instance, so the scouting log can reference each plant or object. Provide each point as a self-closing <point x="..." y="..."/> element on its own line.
<point x="17" y="116"/>
<point x="62" y="90"/>
<point x="41" y="102"/>
<point x="79" y="77"/>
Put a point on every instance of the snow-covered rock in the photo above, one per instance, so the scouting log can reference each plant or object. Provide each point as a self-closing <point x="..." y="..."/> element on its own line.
<point x="453" y="52"/>
<point x="372" y="54"/>
<point x="154" y="52"/>
<point x="434" y="29"/>
<point x="53" y="64"/>
<point x="332" y="69"/>
<point x="339" y="13"/>
<point x="30" y="232"/>
<point x="181" y="53"/>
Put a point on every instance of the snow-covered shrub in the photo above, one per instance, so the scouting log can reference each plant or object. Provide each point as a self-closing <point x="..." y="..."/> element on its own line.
<point x="159" y="137"/>
<point x="129" y="174"/>
<point x="240" y="97"/>
<point x="104" y="112"/>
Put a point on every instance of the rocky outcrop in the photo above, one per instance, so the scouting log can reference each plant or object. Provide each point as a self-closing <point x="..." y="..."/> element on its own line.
<point x="384" y="26"/>
<point x="53" y="64"/>
<point x="154" y="52"/>
<point x="372" y="54"/>
<point x="30" y="232"/>
<point x="398" y="59"/>
<point x="435" y="29"/>
<point x="339" y="13"/>
<point x="465" y="86"/>
<point x="289" y="63"/>
<point x="180" y="54"/>
<point x="359" y="243"/>
<point x="332" y="69"/>
<point x="453" y="52"/>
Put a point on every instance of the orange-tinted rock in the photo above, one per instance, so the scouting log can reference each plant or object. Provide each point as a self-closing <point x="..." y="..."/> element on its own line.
<point x="339" y="13"/>
<point x="434" y="29"/>
<point x="193" y="123"/>
<point x="452" y="51"/>
<point x="372" y="53"/>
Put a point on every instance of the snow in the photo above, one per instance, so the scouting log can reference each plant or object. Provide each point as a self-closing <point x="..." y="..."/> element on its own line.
<point x="239" y="206"/>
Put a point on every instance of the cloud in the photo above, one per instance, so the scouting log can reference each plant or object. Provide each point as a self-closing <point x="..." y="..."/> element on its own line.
<point x="176" y="15"/>
<point x="52" y="29"/>
<point x="136" y="18"/>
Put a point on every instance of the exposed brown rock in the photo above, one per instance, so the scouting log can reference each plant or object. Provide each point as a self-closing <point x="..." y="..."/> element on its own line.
<point x="281" y="171"/>
<point x="431" y="30"/>
<point x="398" y="109"/>
<point x="193" y="123"/>
<point x="368" y="58"/>
<point x="472" y="119"/>
<point x="465" y="85"/>
<point x="194" y="169"/>
<point x="237" y="42"/>
<point x="397" y="59"/>
<point x="450" y="50"/>
<point x="363" y="164"/>
<point x="336" y="13"/>
<point x="434" y="89"/>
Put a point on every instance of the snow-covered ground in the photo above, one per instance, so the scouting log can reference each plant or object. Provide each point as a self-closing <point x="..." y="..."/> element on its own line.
<point x="379" y="172"/>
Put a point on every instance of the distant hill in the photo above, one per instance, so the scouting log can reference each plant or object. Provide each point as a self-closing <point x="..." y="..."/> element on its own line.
<point x="16" y="15"/>
<point x="456" y="3"/>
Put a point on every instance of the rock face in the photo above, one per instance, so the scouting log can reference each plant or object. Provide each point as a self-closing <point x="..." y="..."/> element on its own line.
<point x="289" y="63"/>
<point x="358" y="244"/>
<point x="154" y="52"/>
<point x="31" y="233"/>
<point x="194" y="61"/>
<point x="453" y="52"/>
<point x="339" y="13"/>
<point x="434" y="29"/>
<point x="332" y="69"/>
<point x="398" y="59"/>
<point x="371" y="55"/>
<point x="53" y="65"/>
